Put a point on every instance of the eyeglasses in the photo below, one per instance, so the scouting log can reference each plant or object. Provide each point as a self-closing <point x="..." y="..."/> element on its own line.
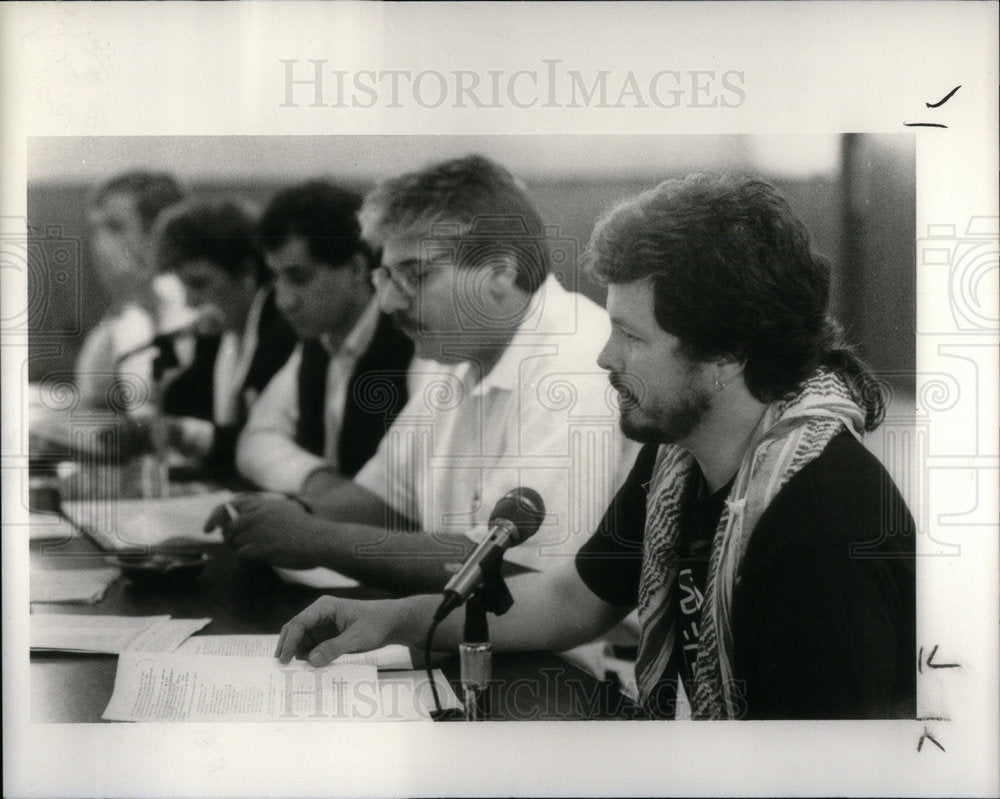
<point x="407" y="277"/>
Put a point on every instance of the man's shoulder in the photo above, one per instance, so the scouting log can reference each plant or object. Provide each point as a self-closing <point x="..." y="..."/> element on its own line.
<point x="844" y="496"/>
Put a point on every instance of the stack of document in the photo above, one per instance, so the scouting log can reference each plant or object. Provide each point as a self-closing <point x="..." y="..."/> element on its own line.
<point x="237" y="678"/>
<point x="49" y="527"/>
<point x="74" y="632"/>
<point x="70" y="585"/>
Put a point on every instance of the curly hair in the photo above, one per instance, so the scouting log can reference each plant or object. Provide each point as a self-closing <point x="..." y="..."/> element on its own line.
<point x="221" y="230"/>
<point x="735" y="276"/>
<point x="323" y="214"/>
<point x="472" y="201"/>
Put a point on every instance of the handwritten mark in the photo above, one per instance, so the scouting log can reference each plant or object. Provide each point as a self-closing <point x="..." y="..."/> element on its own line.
<point x="931" y="665"/>
<point x="923" y="125"/>
<point x="928" y="737"/>
<point x="944" y="99"/>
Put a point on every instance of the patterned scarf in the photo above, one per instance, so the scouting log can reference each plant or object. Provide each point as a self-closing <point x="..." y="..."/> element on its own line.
<point x="791" y="433"/>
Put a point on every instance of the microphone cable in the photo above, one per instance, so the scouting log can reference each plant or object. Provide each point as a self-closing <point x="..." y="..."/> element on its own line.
<point x="438" y="712"/>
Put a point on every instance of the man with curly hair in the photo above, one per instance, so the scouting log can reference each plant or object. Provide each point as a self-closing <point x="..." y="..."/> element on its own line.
<point x="768" y="552"/>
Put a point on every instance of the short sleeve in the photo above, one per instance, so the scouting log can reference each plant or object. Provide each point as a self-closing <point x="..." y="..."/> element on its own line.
<point x="610" y="562"/>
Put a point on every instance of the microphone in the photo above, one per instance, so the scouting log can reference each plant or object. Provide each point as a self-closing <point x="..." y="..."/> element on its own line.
<point x="515" y="518"/>
<point x="206" y="323"/>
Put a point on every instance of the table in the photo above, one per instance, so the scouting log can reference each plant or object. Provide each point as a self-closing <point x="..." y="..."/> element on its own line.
<point x="245" y="597"/>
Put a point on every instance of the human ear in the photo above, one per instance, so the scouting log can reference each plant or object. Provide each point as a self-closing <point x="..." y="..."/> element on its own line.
<point x="725" y="370"/>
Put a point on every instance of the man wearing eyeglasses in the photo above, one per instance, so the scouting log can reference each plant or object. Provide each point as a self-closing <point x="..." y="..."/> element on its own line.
<point x="514" y="396"/>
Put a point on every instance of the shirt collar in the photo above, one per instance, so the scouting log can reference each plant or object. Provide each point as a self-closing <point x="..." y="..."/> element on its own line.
<point x="361" y="334"/>
<point x="548" y="302"/>
<point x="253" y="314"/>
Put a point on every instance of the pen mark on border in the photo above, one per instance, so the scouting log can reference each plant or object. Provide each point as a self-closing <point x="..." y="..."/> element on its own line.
<point x="944" y="99"/>
<point x="931" y="665"/>
<point x="924" y="125"/>
<point x="927" y="736"/>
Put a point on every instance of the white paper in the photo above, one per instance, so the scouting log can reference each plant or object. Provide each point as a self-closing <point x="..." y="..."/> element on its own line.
<point x="113" y="71"/>
<point x="134" y="524"/>
<point x="166" y="637"/>
<point x="49" y="527"/>
<point x="407" y="695"/>
<point x="71" y="585"/>
<point x="226" y="688"/>
<point x="393" y="656"/>
<point x="230" y="645"/>
<point x="318" y="577"/>
<point x="74" y="632"/>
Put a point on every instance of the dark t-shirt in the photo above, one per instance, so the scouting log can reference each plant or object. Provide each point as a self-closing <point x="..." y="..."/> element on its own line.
<point x="701" y="513"/>
<point x="824" y="611"/>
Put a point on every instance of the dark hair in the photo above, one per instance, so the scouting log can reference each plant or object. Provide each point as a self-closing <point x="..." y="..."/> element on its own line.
<point x="222" y="231"/>
<point x="152" y="191"/>
<point x="323" y="214"/>
<point x="734" y="276"/>
<point x="486" y="209"/>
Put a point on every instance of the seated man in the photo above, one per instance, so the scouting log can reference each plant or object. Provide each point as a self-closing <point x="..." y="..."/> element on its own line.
<point x="213" y="247"/>
<point x="513" y="399"/>
<point x="754" y="531"/>
<point x="141" y="303"/>
<point x="317" y="414"/>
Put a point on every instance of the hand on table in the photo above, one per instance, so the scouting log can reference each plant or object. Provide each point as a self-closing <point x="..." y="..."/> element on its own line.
<point x="268" y="527"/>
<point x="333" y="626"/>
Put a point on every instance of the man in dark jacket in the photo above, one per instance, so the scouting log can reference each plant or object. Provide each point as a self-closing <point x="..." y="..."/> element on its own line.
<point x="326" y="410"/>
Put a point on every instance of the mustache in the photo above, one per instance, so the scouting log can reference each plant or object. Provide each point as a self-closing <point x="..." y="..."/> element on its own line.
<point x="630" y="390"/>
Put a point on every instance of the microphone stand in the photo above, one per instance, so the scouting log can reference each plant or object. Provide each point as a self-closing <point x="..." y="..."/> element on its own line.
<point x="476" y="651"/>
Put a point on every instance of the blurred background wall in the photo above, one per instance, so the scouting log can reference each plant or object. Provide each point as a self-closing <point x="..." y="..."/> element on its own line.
<point x="856" y="192"/>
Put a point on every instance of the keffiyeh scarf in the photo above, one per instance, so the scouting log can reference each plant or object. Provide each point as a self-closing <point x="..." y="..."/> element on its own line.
<point x="792" y="432"/>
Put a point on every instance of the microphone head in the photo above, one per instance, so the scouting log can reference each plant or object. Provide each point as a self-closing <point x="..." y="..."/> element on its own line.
<point x="523" y="508"/>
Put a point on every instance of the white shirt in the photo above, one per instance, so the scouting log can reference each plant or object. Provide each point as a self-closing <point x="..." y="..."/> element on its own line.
<point x="104" y="358"/>
<point x="267" y="452"/>
<point x="544" y="417"/>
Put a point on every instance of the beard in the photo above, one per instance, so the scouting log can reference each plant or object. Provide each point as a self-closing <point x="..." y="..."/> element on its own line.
<point x="666" y="422"/>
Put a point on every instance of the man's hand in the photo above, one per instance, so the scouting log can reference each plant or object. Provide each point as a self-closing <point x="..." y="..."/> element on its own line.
<point x="332" y="626"/>
<point x="269" y="528"/>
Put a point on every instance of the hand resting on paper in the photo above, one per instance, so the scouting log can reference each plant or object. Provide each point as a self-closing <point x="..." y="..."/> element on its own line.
<point x="333" y="626"/>
<point x="270" y="528"/>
